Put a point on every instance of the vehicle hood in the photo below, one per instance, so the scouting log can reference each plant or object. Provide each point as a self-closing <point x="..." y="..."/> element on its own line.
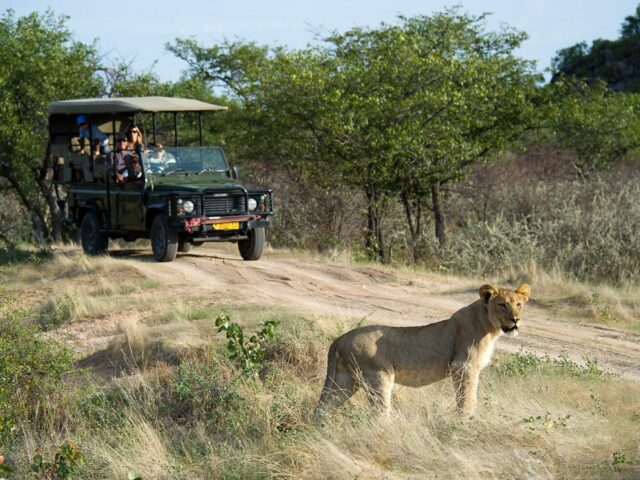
<point x="190" y="183"/>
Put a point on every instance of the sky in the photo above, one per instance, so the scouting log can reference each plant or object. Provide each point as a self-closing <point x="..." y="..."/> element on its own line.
<point x="136" y="31"/>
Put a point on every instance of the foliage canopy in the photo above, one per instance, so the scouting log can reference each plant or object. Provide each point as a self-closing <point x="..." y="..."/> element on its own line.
<point x="615" y="62"/>
<point x="391" y="111"/>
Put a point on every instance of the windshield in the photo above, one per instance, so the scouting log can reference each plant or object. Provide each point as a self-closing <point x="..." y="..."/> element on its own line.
<point x="184" y="159"/>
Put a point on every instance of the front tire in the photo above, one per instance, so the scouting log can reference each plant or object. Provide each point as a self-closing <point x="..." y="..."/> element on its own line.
<point x="253" y="246"/>
<point x="184" y="246"/>
<point x="164" y="239"/>
<point x="94" y="242"/>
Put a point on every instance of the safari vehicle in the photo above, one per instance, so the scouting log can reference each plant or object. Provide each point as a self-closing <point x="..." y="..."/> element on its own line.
<point x="181" y="196"/>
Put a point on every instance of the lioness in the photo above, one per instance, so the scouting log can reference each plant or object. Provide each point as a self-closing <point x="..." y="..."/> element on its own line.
<point x="379" y="356"/>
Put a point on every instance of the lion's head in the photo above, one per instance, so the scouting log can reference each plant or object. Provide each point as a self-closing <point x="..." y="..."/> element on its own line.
<point x="505" y="307"/>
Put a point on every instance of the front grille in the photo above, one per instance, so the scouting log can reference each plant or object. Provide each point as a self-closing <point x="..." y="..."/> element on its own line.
<point x="232" y="204"/>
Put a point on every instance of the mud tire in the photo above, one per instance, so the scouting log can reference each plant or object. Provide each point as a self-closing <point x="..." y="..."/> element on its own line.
<point x="93" y="240"/>
<point x="164" y="239"/>
<point x="252" y="248"/>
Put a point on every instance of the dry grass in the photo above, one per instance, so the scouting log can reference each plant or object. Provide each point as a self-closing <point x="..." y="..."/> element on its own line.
<point x="579" y="302"/>
<point x="542" y="425"/>
<point x="140" y="448"/>
<point x="176" y="407"/>
<point x="547" y="422"/>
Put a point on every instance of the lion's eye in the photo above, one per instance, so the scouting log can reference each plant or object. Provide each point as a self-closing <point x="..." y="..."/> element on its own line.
<point x="519" y="305"/>
<point x="503" y="305"/>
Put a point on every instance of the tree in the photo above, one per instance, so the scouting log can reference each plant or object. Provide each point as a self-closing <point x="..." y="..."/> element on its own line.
<point x="601" y="127"/>
<point x="394" y="112"/>
<point x="616" y="62"/>
<point x="631" y="25"/>
<point x="441" y="95"/>
<point x="40" y="63"/>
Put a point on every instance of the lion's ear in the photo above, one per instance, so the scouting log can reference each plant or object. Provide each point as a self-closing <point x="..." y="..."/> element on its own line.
<point x="487" y="291"/>
<point x="524" y="290"/>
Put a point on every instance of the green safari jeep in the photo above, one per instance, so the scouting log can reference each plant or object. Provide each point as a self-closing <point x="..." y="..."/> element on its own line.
<point x="177" y="196"/>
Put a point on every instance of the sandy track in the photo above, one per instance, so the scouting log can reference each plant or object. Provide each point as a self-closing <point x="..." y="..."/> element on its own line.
<point x="379" y="295"/>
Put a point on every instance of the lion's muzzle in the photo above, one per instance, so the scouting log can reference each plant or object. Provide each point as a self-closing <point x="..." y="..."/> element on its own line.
<point x="511" y="330"/>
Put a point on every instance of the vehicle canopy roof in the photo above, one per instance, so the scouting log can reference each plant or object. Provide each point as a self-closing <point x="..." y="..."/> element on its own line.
<point x="131" y="105"/>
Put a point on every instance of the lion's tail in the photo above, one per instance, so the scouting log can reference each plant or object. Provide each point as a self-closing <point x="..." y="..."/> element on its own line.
<point x="332" y="361"/>
<point x="329" y="382"/>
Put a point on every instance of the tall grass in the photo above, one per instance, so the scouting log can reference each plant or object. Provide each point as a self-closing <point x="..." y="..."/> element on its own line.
<point x="524" y="209"/>
<point x="585" y="229"/>
<point x="175" y="405"/>
<point x="200" y="417"/>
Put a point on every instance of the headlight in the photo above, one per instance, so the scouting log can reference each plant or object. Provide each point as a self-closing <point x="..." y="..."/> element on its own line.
<point x="253" y="204"/>
<point x="184" y="206"/>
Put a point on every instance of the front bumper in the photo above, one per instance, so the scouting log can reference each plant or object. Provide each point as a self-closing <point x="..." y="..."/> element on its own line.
<point x="203" y="227"/>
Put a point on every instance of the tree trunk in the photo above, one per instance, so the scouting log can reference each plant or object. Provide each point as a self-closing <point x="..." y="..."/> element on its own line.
<point x="375" y="237"/>
<point x="56" y="213"/>
<point x="438" y="214"/>
<point x="47" y="190"/>
<point x="415" y="229"/>
<point x="38" y="222"/>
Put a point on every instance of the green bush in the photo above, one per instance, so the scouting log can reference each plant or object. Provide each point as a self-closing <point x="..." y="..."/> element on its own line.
<point x="522" y="363"/>
<point x="65" y="463"/>
<point x="248" y="351"/>
<point x="31" y="371"/>
<point x="202" y="390"/>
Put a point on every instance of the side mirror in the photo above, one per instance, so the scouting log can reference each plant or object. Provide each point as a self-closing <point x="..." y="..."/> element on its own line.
<point x="235" y="174"/>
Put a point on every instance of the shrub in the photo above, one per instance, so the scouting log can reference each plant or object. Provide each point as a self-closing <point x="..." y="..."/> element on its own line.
<point x="65" y="462"/>
<point x="31" y="372"/>
<point x="249" y="352"/>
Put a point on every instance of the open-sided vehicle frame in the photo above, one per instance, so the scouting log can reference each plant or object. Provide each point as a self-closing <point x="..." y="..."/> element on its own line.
<point x="182" y="196"/>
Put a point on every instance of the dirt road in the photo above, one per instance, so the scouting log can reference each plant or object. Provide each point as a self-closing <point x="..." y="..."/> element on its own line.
<point x="379" y="295"/>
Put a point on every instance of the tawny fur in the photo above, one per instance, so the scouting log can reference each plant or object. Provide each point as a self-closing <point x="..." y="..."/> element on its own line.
<point x="377" y="357"/>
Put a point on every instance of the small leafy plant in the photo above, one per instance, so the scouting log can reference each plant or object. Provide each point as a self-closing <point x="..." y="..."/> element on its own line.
<point x="618" y="458"/>
<point x="64" y="464"/>
<point x="545" y="422"/>
<point x="249" y="352"/>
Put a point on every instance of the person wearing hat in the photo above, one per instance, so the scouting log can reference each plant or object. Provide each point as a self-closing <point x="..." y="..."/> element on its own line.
<point x="99" y="141"/>
<point x="124" y="161"/>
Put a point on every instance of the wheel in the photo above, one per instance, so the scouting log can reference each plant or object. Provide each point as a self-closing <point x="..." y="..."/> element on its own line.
<point x="184" y="246"/>
<point x="94" y="242"/>
<point x="252" y="247"/>
<point x="164" y="239"/>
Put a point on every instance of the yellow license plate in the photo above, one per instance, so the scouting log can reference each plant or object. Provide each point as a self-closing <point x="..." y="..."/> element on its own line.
<point x="227" y="226"/>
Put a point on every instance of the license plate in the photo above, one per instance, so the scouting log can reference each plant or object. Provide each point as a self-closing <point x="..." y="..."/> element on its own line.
<point x="226" y="226"/>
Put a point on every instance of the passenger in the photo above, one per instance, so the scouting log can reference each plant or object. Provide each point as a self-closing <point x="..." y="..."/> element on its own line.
<point x="136" y="142"/>
<point x="125" y="162"/>
<point x="86" y="129"/>
<point x="156" y="157"/>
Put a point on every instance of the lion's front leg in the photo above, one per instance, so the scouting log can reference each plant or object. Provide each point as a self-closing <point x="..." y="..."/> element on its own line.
<point x="465" y="382"/>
